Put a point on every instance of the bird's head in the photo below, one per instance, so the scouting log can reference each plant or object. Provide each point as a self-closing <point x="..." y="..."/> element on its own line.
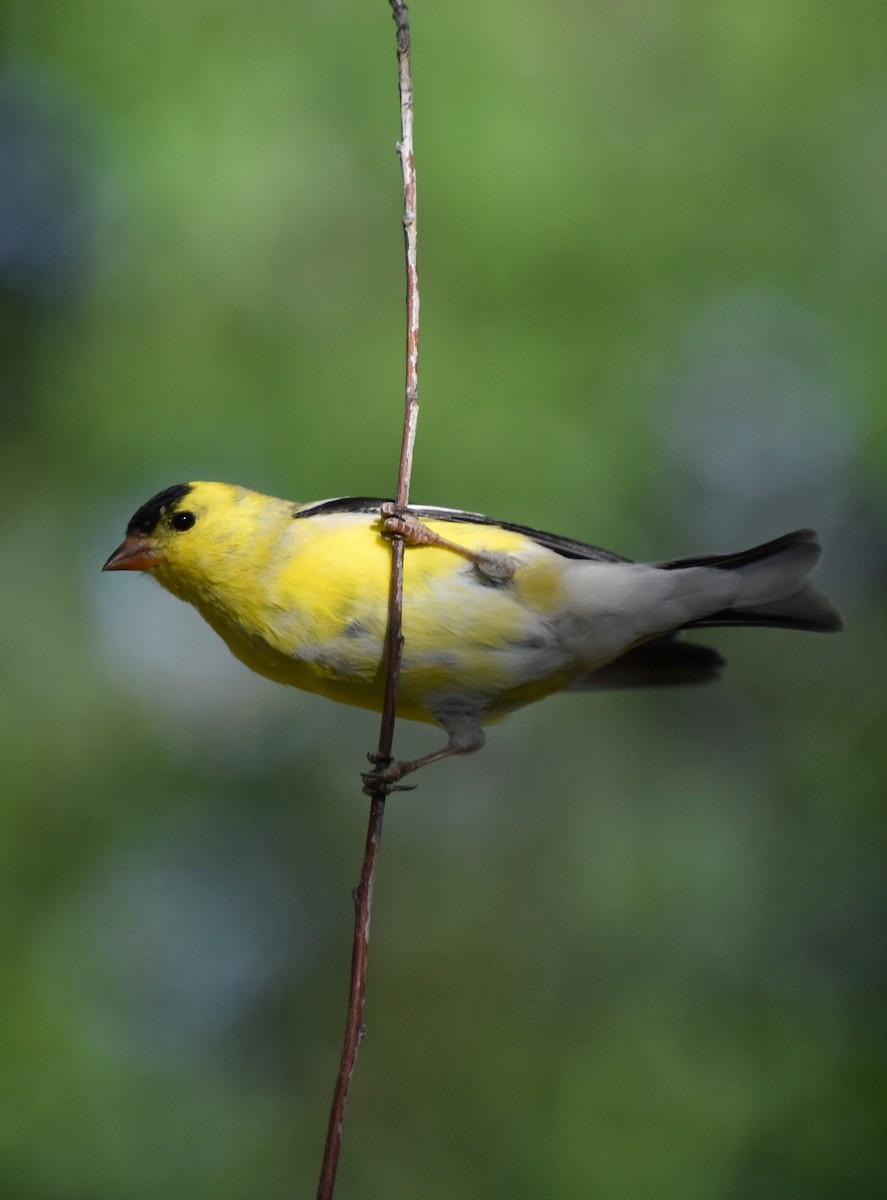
<point x="188" y="535"/>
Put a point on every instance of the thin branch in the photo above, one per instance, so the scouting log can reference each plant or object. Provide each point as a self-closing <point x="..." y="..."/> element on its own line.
<point x="408" y="170"/>
<point x="363" y="904"/>
<point x="363" y="893"/>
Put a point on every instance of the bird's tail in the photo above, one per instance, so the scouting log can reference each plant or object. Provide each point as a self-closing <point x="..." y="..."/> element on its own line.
<point x="773" y="586"/>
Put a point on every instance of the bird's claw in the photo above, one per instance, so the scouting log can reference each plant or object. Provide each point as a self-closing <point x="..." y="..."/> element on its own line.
<point x="386" y="775"/>
<point x="400" y="522"/>
<point x="376" y="782"/>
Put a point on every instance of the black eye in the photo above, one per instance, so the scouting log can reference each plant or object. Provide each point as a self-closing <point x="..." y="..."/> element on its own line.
<point x="182" y="520"/>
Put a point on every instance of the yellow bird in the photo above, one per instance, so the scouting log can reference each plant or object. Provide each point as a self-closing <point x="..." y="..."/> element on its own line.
<point x="495" y="615"/>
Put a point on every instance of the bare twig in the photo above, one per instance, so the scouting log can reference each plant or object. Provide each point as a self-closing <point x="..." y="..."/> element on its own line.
<point x="408" y="169"/>
<point x="363" y="893"/>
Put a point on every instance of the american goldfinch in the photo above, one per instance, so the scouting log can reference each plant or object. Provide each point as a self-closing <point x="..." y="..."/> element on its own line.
<point x="495" y="615"/>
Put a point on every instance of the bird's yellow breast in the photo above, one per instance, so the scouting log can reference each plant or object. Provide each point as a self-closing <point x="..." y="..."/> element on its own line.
<point x="304" y="602"/>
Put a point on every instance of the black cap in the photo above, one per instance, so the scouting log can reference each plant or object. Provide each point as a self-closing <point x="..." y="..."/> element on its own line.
<point x="145" y="520"/>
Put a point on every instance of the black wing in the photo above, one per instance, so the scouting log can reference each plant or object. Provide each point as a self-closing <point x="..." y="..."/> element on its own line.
<point x="551" y="541"/>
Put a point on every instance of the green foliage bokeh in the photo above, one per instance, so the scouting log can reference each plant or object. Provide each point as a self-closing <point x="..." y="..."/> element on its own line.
<point x="635" y="948"/>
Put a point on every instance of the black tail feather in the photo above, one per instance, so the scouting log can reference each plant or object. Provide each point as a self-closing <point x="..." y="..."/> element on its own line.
<point x="662" y="662"/>
<point x="785" y="562"/>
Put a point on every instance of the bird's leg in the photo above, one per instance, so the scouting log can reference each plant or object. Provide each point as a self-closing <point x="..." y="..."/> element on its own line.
<point x="466" y="736"/>
<point x="497" y="567"/>
<point x="389" y="777"/>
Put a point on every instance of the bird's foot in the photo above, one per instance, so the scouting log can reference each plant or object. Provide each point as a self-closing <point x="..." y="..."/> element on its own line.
<point x="400" y="521"/>
<point x="386" y="775"/>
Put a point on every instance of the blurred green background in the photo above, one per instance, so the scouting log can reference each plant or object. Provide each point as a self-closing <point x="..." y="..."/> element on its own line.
<point x="634" y="949"/>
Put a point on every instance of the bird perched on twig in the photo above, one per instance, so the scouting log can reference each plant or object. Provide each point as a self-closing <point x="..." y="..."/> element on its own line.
<point x="495" y="615"/>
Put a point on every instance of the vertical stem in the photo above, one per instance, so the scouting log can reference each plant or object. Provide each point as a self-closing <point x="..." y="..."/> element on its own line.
<point x="408" y="170"/>
<point x="363" y="905"/>
<point x="363" y="893"/>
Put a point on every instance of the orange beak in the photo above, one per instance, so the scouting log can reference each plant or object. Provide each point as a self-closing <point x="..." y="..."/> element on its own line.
<point x="137" y="553"/>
